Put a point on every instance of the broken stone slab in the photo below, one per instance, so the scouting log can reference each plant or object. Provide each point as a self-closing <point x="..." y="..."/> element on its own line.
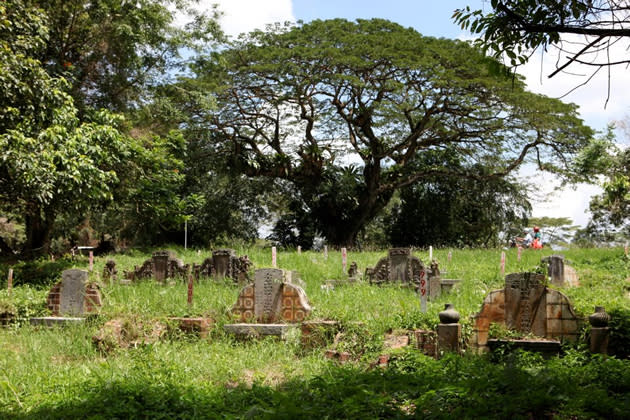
<point x="244" y="330"/>
<point x="52" y="321"/>
<point x="197" y="326"/>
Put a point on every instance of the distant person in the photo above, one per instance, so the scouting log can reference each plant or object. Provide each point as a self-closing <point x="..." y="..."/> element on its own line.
<point x="527" y="240"/>
<point x="537" y="242"/>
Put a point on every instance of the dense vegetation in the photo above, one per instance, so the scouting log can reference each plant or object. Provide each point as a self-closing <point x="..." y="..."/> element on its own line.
<point x="59" y="373"/>
<point x="122" y="124"/>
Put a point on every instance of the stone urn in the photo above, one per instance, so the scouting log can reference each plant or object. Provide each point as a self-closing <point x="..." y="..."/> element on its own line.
<point x="600" y="318"/>
<point x="449" y="315"/>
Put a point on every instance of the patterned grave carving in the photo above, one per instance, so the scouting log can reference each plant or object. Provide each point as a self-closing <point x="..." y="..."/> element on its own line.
<point x="398" y="267"/>
<point x="74" y="295"/>
<point x="161" y="266"/>
<point x="224" y="263"/>
<point x="270" y="298"/>
<point x="527" y="306"/>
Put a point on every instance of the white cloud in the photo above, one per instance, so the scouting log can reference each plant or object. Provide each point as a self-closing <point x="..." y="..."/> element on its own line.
<point x="241" y="16"/>
<point x="591" y="97"/>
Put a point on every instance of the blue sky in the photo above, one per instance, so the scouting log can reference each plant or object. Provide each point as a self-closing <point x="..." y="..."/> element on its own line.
<point x="427" y="17"/>
<point x="433" y="18"/>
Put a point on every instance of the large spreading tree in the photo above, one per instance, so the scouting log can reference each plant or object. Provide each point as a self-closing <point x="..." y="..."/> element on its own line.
<point x="342" y="111"/>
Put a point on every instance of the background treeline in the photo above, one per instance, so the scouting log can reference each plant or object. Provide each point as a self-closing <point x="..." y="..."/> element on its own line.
<point x="120" y="124"/>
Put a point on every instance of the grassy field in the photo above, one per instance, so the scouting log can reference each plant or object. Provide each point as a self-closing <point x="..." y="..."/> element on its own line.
<point x="59" y="373"/>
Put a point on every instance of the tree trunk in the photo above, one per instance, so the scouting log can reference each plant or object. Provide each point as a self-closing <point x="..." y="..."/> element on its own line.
<point x="38" y="227"/>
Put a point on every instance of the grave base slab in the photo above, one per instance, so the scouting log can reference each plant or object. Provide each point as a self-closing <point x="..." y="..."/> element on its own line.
<point x="51" y="321"/>
<point x="245" y="330"/>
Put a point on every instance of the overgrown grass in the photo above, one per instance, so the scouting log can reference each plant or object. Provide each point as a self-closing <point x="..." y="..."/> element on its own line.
<point x="59" y="373"/>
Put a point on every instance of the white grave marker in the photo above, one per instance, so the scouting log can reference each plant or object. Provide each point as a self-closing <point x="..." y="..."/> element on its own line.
<point x="344" y="258"/>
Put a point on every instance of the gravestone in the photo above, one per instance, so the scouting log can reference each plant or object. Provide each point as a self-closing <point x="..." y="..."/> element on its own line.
<point x="224" y="263"/>
<point x="560" y="273"/>
<point x="527" y="306"/>
<point x="162" y="265"/>
<point x="398" y="267"/>
<point x="73" y="295"/>
<point x="270" y="299"/>
<point x="109" y="271"/>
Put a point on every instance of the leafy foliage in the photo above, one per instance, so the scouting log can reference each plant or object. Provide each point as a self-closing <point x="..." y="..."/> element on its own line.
<point x="300" y="103"/>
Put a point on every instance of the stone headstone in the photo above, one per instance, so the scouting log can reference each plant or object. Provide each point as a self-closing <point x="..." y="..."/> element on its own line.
<point x="270" y="298"/>
<point x="525" y="305"/>
<point x="398" y="267"/>
<point x="109" y="271"/>
<point x="224" y="263"/>
<point x="560" y="272"/>
<point x="73" y="295"/>
<point x="399" y="261"/>
<point x="160" y="265"/>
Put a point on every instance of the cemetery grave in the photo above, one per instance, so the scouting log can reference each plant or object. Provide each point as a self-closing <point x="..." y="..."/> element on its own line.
<point x="363" y="327"/>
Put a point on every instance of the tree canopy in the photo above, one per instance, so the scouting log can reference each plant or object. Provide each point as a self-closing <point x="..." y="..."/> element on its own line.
<point x="64" y="67"/>
<point x="342" y="110"/>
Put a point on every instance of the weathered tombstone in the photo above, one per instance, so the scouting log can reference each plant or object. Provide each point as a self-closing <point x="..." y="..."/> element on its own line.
<point x="161" y="266"/>
<point x="353" y="272"/>
<point x="270" y="299"/>
<point x="224" y="263"/>
<point x="109" y="271"/>
<point x="398" y="267"/>
<point x="527" y="306"/>
<point x="560" y="272"/>
<point x="71" y="298"/>
<point x="72" y="292"/>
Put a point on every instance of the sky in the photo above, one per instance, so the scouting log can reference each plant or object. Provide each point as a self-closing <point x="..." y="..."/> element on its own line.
<point x="434" y="19"/>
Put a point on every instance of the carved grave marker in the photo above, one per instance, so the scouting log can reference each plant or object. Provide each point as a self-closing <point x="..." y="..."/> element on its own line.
<point x="526" y="305"/>
<point x="271" y="298"/>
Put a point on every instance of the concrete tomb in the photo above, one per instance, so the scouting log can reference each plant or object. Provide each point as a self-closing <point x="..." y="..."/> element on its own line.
<point x="400" y="266"/>
<point x="527" y="306"/>
<point x="161" y="266"/>
<point x="71" y="298"/>
<point x="224" y="263"/>
<point x="272" y="302"/>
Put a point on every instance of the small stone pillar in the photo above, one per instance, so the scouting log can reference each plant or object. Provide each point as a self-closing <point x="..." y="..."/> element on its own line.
<point x="599" y="330"/>
<point x="449" y="331"/>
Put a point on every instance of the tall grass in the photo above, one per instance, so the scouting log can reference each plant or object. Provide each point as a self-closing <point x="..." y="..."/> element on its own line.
<point x="59" y="373"/>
